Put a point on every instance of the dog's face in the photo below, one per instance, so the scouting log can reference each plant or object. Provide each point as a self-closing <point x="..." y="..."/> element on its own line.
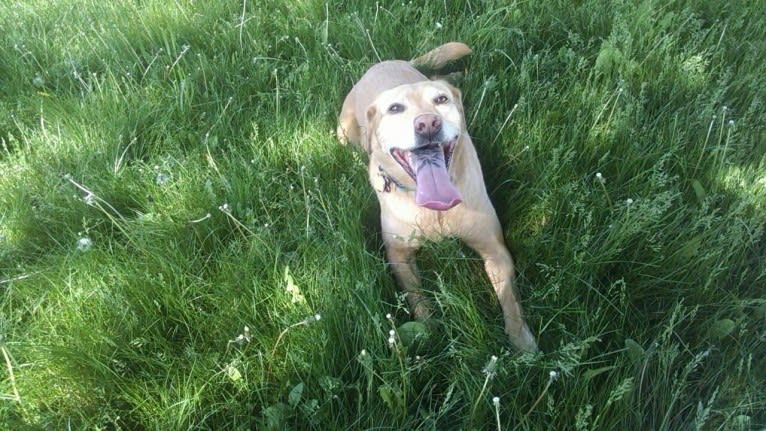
<point x="419" y="125"/>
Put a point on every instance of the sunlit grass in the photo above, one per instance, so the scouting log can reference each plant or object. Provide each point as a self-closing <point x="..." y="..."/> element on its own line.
<point x="184" y="245"/>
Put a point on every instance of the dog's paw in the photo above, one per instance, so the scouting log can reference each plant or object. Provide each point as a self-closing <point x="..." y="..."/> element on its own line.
<point x="523" y="339"/>
<point x="421" y="310"/>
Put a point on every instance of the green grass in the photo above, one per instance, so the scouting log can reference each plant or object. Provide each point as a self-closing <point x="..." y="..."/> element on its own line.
<point x="174" y="211"/>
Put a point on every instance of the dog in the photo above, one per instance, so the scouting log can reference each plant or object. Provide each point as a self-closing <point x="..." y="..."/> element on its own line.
<point x="426" y="175"/>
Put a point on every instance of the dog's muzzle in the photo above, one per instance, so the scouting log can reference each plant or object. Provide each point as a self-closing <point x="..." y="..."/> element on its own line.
<point x="428" y="165"/>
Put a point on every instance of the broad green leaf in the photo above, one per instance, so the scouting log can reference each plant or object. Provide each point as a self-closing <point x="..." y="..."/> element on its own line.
<point x="295" y="395"/>
<point x="721" y="328"/>
<point x="635" y="351"/>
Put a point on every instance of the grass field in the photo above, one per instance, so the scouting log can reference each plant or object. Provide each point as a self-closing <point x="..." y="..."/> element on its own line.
<point x="184" y="244"/>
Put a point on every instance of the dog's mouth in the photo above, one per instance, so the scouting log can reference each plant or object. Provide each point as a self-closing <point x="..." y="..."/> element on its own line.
<point x="428" y="165"/>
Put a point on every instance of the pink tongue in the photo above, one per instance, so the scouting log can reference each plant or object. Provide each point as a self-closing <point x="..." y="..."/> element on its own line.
<point x="434" y="190"/>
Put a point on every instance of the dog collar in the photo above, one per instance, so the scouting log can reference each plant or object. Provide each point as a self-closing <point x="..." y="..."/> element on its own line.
<point x="389" y="182"/>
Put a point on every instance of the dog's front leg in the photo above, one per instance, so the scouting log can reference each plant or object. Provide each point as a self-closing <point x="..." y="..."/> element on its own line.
<point x="499" y="266"/>
<point x="401" y="257"/>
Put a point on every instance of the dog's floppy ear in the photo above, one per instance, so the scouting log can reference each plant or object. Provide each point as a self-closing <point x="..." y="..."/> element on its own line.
<point x="371" y="115"/>
<point x="371" y="111"/>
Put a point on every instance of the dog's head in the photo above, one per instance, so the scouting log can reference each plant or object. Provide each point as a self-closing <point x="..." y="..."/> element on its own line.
<point x="419" y="125"/>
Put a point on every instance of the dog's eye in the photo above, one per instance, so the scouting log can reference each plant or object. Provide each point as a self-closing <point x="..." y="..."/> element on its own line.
<point x="441" y="99"/>
<point x="396" y="108"/>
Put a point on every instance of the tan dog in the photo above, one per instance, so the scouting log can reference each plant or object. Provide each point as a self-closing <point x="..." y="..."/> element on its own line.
<point x="427" y="176"/>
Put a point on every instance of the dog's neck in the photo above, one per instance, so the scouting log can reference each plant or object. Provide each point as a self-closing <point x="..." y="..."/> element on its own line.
<point x="391" y="183"/>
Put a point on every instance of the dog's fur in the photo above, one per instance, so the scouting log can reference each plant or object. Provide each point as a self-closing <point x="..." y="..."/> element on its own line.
<point x="426" y="174"/>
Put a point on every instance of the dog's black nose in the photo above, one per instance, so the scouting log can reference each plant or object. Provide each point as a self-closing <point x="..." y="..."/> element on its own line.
<point x="427" y="125"/>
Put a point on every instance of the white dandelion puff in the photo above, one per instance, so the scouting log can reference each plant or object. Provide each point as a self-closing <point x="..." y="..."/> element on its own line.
<point x="38" y="81"/>
<point x="162" y="179"/>
<point x="84" y="244"/>
<point x="489" y="369"/>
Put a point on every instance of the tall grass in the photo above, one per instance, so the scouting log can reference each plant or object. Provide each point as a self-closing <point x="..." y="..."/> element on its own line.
<point x="184" y="245"/>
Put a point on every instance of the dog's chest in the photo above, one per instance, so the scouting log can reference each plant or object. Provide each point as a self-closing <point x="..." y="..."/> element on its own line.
<point x="400" y="214"/>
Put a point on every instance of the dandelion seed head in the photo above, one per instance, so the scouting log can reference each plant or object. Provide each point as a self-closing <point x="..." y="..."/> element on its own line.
<point x="496" y="401"/>
<point x="84" y="244"/>
<point x="310" y="319"/>
<point x="317" y="317"/>
<point x="553" y="375"/>
<point x="629" y="201"/>
<point x="388" y="316"/>
<point x="162" y="179"/>
<point x="489" y="369"/>
<point x="38" y="81"/>
<point x="438" y="26"/>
